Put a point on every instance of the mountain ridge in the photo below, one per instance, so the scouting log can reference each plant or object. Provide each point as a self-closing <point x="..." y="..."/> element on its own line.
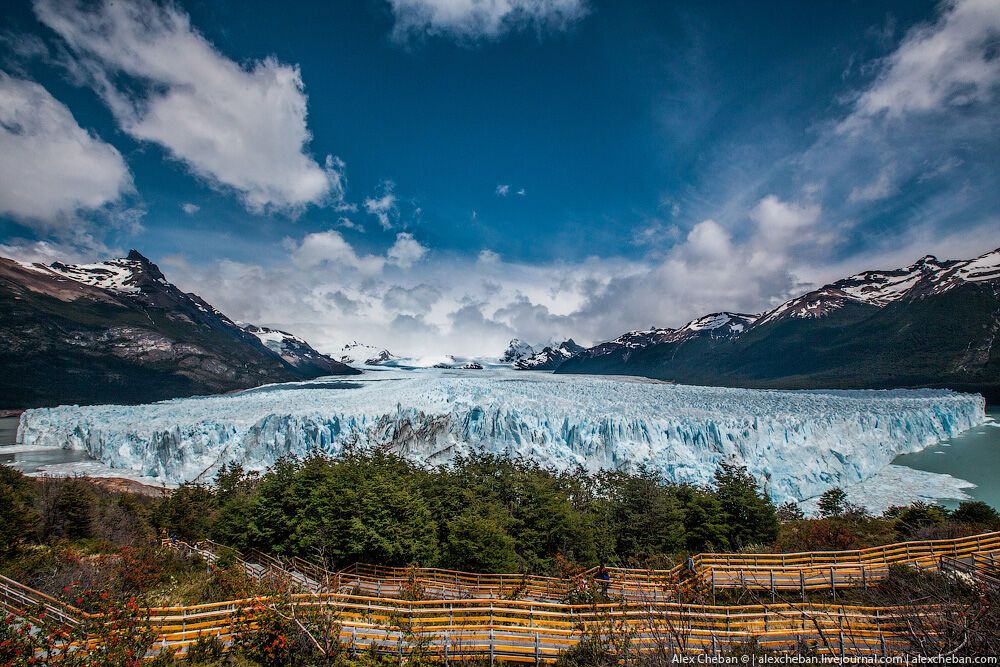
<point x="118" y="331"/>
<point x="934" y="323"/>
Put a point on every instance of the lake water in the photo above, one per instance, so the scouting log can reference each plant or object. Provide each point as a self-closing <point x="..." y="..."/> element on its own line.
<point x="973" y="456"/>
<point x="31" y="460"/>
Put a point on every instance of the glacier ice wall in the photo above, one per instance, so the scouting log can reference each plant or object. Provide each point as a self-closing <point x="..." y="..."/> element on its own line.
<point x="799" y="443"/>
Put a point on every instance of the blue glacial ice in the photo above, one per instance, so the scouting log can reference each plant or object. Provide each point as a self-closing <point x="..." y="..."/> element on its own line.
<point x="798" y="443"/>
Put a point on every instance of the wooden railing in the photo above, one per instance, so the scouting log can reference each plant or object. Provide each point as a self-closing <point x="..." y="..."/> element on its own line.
<point x="796" y="572"/>
<point x="540" y="631"/>
<point x="537" y="631"/>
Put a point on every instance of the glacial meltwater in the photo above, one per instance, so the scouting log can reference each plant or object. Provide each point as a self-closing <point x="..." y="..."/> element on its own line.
<point x="32" y="459"/>
<point x="973" y="455"/>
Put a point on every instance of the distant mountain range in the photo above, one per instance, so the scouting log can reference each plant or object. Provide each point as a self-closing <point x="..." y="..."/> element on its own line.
<point x="550" y="358"/>
<point x="932" y="324"/>
<point x="119" y="332"/>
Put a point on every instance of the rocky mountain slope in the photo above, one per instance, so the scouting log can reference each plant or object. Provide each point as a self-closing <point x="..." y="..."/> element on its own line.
<point x="516" y="350"/>
<point x="550" y="358"/>
<point x="933" y="323"/>
<point x="119" y="332"/>
<point x="296" y="352"/>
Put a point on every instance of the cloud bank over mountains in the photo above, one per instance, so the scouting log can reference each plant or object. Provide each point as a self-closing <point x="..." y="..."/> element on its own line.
<point x="924" y="112"/>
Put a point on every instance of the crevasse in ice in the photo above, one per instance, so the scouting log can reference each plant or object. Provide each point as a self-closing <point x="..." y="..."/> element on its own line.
<point x="798" y="443"/>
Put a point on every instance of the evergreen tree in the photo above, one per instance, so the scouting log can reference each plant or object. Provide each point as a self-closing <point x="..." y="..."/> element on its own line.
<point x="976" y="513"/>
<point x="750" y="514"/>
<point x="17" y="518"/>
<point x="832" y="503"/>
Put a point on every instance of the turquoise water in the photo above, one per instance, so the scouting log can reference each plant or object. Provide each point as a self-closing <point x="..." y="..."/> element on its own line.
<point x="30" y="461"/>
<point x="973" y="456"/>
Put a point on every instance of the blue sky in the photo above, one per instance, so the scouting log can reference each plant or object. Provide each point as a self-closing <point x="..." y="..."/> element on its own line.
<point x="438" y="176"/>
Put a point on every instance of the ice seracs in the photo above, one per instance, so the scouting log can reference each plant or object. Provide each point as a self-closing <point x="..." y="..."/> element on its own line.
<point x="798" y="443"/>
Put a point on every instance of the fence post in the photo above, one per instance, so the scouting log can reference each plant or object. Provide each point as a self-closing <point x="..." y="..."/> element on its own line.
<point x="802" y="585"/>
<point x="772" y="585"/>
<point x="881" y="635"/>
<point x="446" y="647"/>
<point x="833" y="583"/>
<point x="538" y="651"/>
<point x="492" y="646"/>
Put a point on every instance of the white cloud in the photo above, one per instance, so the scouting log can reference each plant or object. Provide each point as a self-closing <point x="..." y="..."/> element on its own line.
<point x="468" y="20"/>
<point x="50" y="167"/>
<point x="79" y="247"/>
<point x="951" y="62"/>
<point x="416" y="300"/>
<point x="502" y="190"/>
<point x="347" y="223"/>
<point x="330" y="249"/>
<point x="878" y="189"/>
<point x="190" y="208"/>
<point x="239" y="127"/>
<point x="383" y="206"/>
<point x="406" y="251"/>
<point x="781" y="223"/>
<point x="522" y="192"/>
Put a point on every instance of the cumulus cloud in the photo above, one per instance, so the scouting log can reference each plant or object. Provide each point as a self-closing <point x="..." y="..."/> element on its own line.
<point x="190" y="208"/>
<point x="50" y="167"/>
<point x="237" y="126"/>
<point x="487" y="256"/>
<point x="330" y="249"/>
<point x="406" y="251"/>
<point x="469" y="20"/>
<point x="415" y="300"/>
<point x="502" y="190"/>
<point x="781" y="223"/>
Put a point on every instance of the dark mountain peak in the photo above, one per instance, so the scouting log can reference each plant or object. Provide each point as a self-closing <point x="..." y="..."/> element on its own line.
<point x="147" y="266"/>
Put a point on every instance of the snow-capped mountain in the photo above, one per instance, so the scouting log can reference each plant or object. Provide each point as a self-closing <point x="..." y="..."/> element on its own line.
<point x="713" y="326"/>
<point x="380" y="358"/>
<point x="932" y="323"/>
<point x="550" y="358"/>
<point x="118" y="331"/>
<point x="516" y="350"/>
<point x="363" y="353"/>
<point x="295" y="351"/>
<point x="925" y="277"/>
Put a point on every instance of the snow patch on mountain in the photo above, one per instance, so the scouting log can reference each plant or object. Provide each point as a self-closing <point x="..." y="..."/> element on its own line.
<point x="551" y="357"/>
<point x="115" y="275"/>
<point x="798" y="443"/>
<point x="356" y="353"/>
<point x="516" y="350"/>
<point x="928" y="275"/>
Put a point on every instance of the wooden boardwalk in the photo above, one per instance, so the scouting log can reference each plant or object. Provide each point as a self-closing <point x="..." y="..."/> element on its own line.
<point x="515" y="618"/>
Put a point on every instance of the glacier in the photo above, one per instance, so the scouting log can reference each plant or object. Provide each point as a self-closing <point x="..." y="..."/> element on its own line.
<point x="797" y="443"/>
